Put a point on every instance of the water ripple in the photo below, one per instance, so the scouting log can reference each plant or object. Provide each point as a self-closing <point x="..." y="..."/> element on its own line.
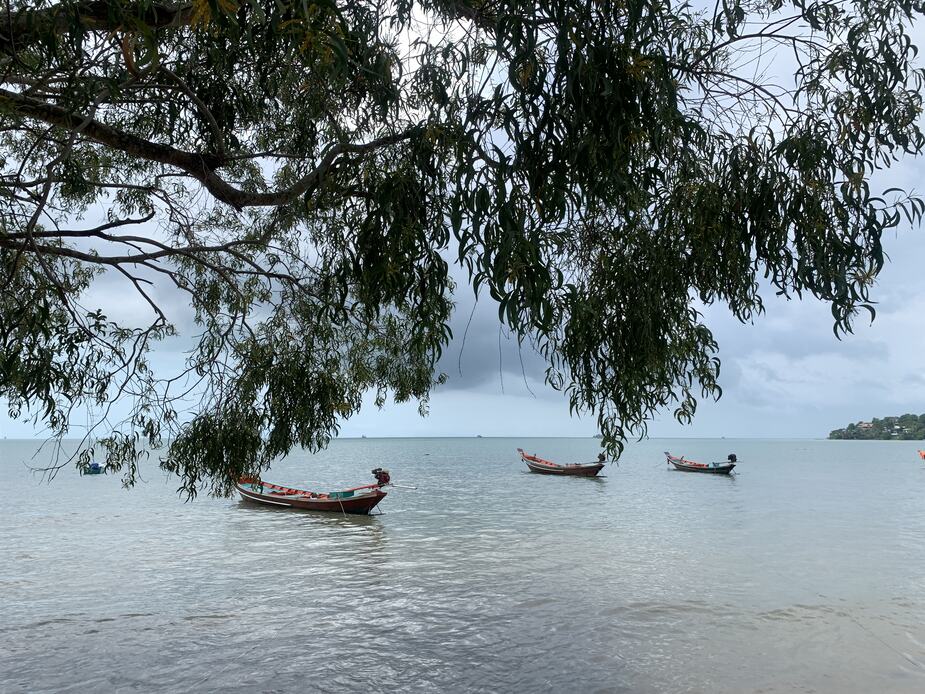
<point x="804" y="574"/>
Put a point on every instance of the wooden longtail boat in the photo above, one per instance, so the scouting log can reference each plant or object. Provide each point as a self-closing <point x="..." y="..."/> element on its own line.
<point x="546" y="467"/>
<point x="691" y="466"/>
<point x="357" y="500"/>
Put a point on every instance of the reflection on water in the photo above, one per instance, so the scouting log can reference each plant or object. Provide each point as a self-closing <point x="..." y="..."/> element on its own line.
<point x="801" y="573"/>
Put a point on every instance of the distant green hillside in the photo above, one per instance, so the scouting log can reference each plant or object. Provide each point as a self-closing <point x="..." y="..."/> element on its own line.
<point x="909" y="427"/>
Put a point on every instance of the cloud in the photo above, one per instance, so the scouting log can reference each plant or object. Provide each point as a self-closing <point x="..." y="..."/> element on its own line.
<point x="484" y="355"/>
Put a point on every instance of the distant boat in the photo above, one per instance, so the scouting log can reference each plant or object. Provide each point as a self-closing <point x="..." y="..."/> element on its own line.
<point x="547" y="467"/>
<point x="922" y="455"/>
<point x="597" y="436"/>
<point x="357" y="500"/>
<point x="691" y="466"/>
<point x="93" y="469"/>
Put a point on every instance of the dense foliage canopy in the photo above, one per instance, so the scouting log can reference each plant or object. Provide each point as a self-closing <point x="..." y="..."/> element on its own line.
<point x="305" y="172"/>
<point x="907" y="427"/>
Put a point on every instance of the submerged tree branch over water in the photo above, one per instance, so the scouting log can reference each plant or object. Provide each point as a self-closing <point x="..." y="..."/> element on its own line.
<point x="301" y="171"/>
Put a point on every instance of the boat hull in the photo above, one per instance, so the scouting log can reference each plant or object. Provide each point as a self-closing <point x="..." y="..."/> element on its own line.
<point x="357" y="504"/>
<point x="708" y="468"/>
<point x="723" y="469"/>
<point x="568" y="470"/>
<point x="546" y="467"/>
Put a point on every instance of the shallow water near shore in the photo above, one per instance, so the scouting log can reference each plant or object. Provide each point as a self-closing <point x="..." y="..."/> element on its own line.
<point x="805" y="572"/>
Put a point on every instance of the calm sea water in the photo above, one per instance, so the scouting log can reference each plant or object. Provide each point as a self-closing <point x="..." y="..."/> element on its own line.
<point x="806" y="572"/>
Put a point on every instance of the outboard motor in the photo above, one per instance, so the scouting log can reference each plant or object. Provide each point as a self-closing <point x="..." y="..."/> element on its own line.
<point x="731" y="458"/>
<point x="382" y="476"/>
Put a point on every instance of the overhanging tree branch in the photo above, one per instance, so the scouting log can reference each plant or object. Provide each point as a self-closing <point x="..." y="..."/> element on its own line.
<point x="592" y="166"/>
<point x="202" y="167"/>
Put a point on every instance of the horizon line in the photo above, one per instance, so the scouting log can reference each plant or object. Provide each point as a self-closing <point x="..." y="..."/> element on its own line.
<point x="519" y="436"/>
